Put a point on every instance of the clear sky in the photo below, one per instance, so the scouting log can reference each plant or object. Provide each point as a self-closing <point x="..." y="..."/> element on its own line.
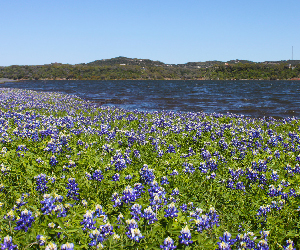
<point x="36" y="32"/>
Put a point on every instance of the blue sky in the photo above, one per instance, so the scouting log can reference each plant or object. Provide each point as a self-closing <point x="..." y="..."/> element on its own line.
<point x="80" y="31"/>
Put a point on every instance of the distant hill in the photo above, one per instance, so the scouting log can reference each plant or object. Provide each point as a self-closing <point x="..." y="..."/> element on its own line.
<point x="121" y="68"/>
<point x="121" y="60"/>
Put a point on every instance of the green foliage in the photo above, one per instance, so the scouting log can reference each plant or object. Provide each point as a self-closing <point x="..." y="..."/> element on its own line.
<point x="121" y="68"/>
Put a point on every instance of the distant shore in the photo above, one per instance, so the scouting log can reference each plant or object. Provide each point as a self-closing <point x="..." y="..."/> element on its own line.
<point x="4" y="80"/>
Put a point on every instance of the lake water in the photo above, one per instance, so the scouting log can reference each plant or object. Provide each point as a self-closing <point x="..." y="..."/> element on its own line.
<point x="279" y="99"/>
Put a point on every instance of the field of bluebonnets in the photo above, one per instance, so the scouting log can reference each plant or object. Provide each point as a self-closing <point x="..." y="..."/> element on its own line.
<point x="78" y="176"/>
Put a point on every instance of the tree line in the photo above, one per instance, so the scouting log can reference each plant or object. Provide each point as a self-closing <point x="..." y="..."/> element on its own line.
<point x="234" y="71"/>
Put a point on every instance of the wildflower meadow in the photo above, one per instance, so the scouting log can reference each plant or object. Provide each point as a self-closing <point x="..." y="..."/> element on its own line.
<point x="76" y="175"/>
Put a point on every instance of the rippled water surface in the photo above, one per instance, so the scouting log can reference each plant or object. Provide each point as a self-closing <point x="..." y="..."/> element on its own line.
<point x="251" y="98"/>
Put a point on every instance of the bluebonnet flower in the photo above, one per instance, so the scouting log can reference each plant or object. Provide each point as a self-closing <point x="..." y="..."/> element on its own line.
<point x="183" y="208"/>
<point x="240" y="186"/>
<point x="292" y="193"/>
<point x="9" y="216"/>
<point x="107" y="148"/>
<point x="213" y="217"/>
<point x="25" y="221"/>
<point x="175" y="172"/>
<point x="41" y="183"/>
<point x="129" y="195"/>
<point x="275" y="192"/>
<point x="147" y="174"/>
<point x="20" y="202"/>
<point x="149" y="215"/>
<point x="205" y="154"/>
<point x="133" y="232"/>
<point x="191" y="151"/>
<point x="120" y="219"/>
<point x="8" y="244"/>
<point x="164" y="180"/>
<point x="262" y="166"/>
<point x="41" y="239"/>
<point x="22" y="148"/>
<point x="100" y="213"/>
<point x="252" y="175"/>
<point x="101" y="234"/>
<point x="211" y="164"/>
<point x="289" y="245"/>
<point x="188" y="168"/>
<point x="244" y="241"/>
<point x="136" y="211"/>
<point x="107" y="168"/>
<point x="88" y="176"/>
<point x="116" y="177"/>
<point x="97" y="175"/>
<point x="128" y="177"/>
<point x="53" y="160"/>
<point x="119" y="161"/>
<point x="65" y="168"/>
<point x="168" y="244"/>
<point x="67" y="246"/>
<point x="296" y="169"/>
<point x="263" y="210"/>
<point x="5" y="170"/>
<point x="51" y="225"/>
<point x="72" y="186"/>
<point x="116" y="200"/>
<point x="201" y="223"/>
<point x="156" y="202"/>
<point x="48" y="204"/>
<point x="136" y="154"/>
<point x="235" y="174"/>
<point x="139" y="189"/>
<point x="223" y="144"/>
<point x="212" y="176"/>
<point x="171" y="149"/>
<point x="226" y="242"/>
<point x="264" y="234"/>
<point x="284" y="183"/>
<point x="262" y="179"/>
<point x="80" y="142"/>
<point x="230" y="184"/>
<point x="198" y="211"/>
<point x="60" y="211"/>
<point x="71" y="164"/>
<point x="284" y="195"/>
<point x="191" y="205"/>
<point x="88" y="221"/>
<point x="51" y="246"/>
<point x="52" y="179"/>
<point x="203" y="168"/>
<point x="84" y="203"/>
<point x="157" y="195"/>
<point x="160" y="153"/>
<point x="262" y="245"/>
<point x="171" y="211"/>
<point x="185" y="236"/>
<point x="277" y="154"/>
<point x="58" y="198"/>
<point x="175" y="192"/>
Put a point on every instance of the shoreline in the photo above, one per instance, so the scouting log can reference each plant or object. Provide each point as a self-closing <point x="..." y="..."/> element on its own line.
<point x="4" y="80"/>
